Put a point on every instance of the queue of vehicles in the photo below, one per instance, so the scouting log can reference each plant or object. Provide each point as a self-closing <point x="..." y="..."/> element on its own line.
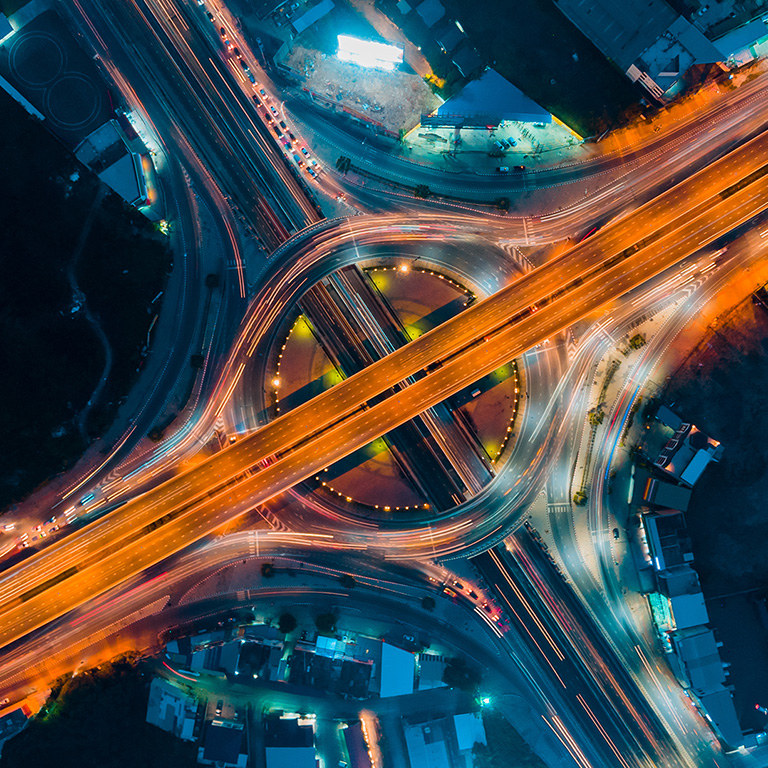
<point x="270" y="112"/>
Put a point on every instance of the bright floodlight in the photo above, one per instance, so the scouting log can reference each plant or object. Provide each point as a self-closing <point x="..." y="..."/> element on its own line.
<point x="368" y="54"/>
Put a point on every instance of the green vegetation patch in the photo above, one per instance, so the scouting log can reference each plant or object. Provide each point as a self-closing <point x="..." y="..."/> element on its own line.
<point x="52" y="359"/>
<point x="721" y="388"/>
<point x="506" y="747"/>
<point x="124" y="266"/>
<point x="97" y="720"/>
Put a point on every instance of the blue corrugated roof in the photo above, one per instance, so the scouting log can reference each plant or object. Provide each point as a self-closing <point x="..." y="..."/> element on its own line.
<point x="492" y="99"/>
<point x="741" y="38"/>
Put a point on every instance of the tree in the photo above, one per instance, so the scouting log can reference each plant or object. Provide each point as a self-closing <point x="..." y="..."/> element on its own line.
<point x="596" y="417"/>
<point x="502" y="203"/>
<point x="428" y="603"/>
<point x="267" y="570"/>
<point x="347" y="581"/>
<point x="458" y="674"/>
<point x="196" y="361"/>
<point x="637" y="341"/>
<point x="580" y="498"/>
<point x="422" y="191"/>
<point x="286" y="623"/>
<point x="326" y="622"/>
<point x="212" y="280"/>
<point x="343" y="164"/>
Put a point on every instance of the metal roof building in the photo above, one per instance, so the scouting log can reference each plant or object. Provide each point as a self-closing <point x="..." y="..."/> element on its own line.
<point x="489" y="100"/>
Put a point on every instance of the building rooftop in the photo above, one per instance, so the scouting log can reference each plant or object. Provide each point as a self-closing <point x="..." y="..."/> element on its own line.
<point x="11" y="724"/>
<point x="669" y="418"/>
<point x="720" y="708"/>
<point x="224" y="743"/>
<point x="697" y="651"/>
<point x="312" y="15"/>
<point x="668" y="538"/>
<point x="431" y="668"/>
<point x="431" y="11"/>
<point x="426" y="743"/>
<point x="289" y="744"/>
<point x="490" y="100"/>
<point x="448" y="37"/>
<point x="356" y="746"/>
<point x="170" y="709"/>
<point x="397" y="671"/>
<point x="666" y="495"/>
<point x="467" y="60"/>
<point x="622" y="31"/>
<point x="687" y="453"/>
<point x="5" y="26"/>
<point x="735" y="41"/>
<point x="469" y="730"/>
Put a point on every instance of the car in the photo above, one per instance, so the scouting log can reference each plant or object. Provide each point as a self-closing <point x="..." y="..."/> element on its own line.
<point x="209" y="15"/>
<point x="232" y="439"/>
<point x="503" y="169"/>
<point x="236" y="51"/>
<point x="273" y="111"/>
<point x="263" y="92"/>
<point x="5" y="701"/>
<point x="519" y="167"/>
<point x="278" y="132"/>
<point x="512" y="142"/>
<point x="243" y="63"/>
<point x="222" y="31"/>
<point x="38" y="527"/>
<point x="615" y="533"/>
<point x="298" y="159"/>
<point x="283" y="125"/>
<point x="314" y="163"/>
<point x="477" y="392"/>
<point x="292" y="137"/>
<point x="448" y="591"/>
<point x="257" y="100"/>
<point x="409" y="638"/>
<point x="702" y="10"/>
<point x="229" y="45"/>
<point x="473" y="594"/>
<point x="498" y="146"/>
<point x="219" y="706"/>
<point x="287" y="145"/>
<point x="312" y="172"/>
<point x="305" y="152"/>
<point x="9" y="526"/>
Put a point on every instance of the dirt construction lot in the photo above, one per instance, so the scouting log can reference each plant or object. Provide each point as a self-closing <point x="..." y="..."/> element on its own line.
<point x="394" y="99"/>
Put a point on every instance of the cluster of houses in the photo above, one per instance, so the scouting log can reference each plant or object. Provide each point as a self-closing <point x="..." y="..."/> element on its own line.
<point x="662" y="494"/>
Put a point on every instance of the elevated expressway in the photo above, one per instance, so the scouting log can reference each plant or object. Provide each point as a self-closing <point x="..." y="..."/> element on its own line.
<point x="298" y="444"/>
